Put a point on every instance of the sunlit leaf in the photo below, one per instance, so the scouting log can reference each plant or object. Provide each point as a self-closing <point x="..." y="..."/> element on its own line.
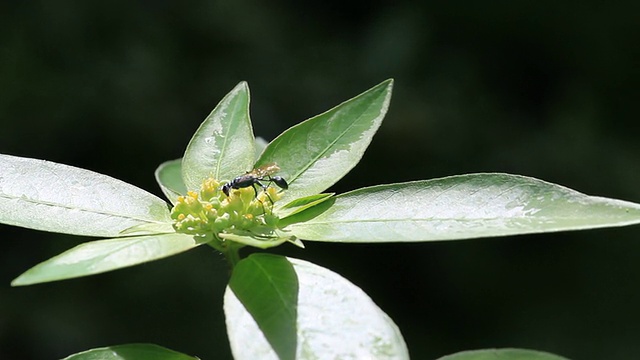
<point x="334" y="319"/>
<point x="47" y="196"/>
<point x="223" y="146"/>
<point x="169" y="177"/>
<point x="502" y="354"/>
<point x="459" y="207"/>
<point x="300" y="204"/>
<point x="318" y="152"/>
<point x="148" y="229"/>
<point x="267" y="288"/>
<point x="105" y="255"/>
<point x="130" y="352"/>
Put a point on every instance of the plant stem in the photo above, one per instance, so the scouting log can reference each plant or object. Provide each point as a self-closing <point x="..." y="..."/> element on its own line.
<point x="230" y="250"/>
<point x="232" y="254"/>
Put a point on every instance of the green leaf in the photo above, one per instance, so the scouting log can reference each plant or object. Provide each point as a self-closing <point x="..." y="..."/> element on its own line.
<point x="130" y="352"/>
<point x="169" y="177"/>
<point x="459" y="207"/>
<point x="266" y="287"/>
<point x="318" y="152"/>
<point x="502" y="354"/>
<point x="300" y="204"/>
<point x="105" y="255"/>
<point x="334" y="318"/>
<point x="223" y="146"/>
<point x="47" y="196"/>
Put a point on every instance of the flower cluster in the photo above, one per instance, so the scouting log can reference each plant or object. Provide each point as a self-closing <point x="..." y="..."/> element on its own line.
<point x="211" y="212"/>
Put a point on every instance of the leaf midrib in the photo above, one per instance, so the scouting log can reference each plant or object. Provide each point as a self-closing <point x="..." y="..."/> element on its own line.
<point x="58" y="205"/>
<point x="325" y="150"/>
<point x="446" y="219"/>
<point x="234" y="105"/>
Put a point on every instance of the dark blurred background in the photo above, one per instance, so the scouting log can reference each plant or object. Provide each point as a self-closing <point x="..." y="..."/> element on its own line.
<point x="545" y="89"/>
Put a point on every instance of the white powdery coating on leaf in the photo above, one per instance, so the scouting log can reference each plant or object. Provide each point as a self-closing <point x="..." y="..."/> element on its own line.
<point x="460" y="207"/>
<point x="340" y="152"/>
<point x="105" y="255"/>
<point x="49" y="196"/>
<point x="336" y="320"/>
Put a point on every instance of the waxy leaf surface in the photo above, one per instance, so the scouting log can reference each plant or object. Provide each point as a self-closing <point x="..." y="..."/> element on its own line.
<point x="502" y="354"/>
<point x="334" y="319"/>
<point x="267" y="287"/>
<point x="223" y="146"/>
<point x="105" y="255"/>
<point x="130" y="352"/>
<point x="459" y="207"/>
<point x="169" y="177"/>
<point x="48" y="196"/>
<point x="318" y="152"/>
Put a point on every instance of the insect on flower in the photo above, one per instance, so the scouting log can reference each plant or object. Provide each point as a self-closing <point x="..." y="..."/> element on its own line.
<point x="254" y="177"/>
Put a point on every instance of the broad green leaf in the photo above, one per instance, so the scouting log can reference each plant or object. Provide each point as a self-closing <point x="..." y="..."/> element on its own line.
<point x="47" y="196"/>
<point x="459" y="207"/>
<point x="169" y="177"/>
<point x="223" y="146"/>
<point x="318" y="152"/>
<point x="335" y="319"/>
<point x="130" y="352"/>
<point x="502" y="354"/>
<point x="105" y="255"/>
<point x="266" y="287"/>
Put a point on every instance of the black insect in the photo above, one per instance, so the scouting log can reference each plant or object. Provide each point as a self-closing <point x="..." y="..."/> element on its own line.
<point x="254" y="177"/>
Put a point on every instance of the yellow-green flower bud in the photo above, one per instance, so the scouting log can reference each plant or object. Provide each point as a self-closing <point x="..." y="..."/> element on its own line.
<point x="211" y="212"/>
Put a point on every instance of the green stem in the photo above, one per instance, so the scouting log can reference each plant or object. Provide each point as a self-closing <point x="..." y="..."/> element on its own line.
<point x="232" y="254"/>
<point x="230" y="250"/>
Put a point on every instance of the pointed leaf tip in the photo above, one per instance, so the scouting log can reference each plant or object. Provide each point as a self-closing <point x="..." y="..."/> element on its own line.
<point x="100" y="256"/>
<point x="460" y="207"/>
<point x="224" y="145"/>
<point x="318" y="152"/>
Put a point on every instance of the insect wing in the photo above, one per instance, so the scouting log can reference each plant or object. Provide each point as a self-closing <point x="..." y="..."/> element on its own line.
<point x="265" y="170"/>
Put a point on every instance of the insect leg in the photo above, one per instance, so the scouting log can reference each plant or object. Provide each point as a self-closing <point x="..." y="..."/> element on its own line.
<point x="265" y="187"/>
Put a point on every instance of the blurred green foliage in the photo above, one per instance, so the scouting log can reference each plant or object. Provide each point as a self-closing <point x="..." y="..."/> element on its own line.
<point x="544" y="89"/>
